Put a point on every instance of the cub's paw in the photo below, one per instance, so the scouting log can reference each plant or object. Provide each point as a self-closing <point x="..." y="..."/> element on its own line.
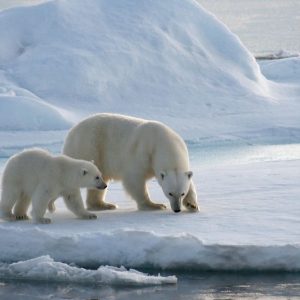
<point x="21" y="217"/>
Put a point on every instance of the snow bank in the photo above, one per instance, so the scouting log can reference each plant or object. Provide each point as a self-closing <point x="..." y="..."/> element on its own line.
<point x="140" y="249"/>
<point x="166" y="60"/>
<point x="21" y="110"/>
<point x="44" y="268"/>
<point x="284" y="70"/>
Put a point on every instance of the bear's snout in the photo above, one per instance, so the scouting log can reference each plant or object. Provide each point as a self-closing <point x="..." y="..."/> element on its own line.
<point x="102" y="187"/>
<point x="177" y="210"/>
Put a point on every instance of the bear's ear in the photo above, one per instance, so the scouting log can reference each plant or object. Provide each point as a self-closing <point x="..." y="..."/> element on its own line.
<point x="162" y="175"/>
<point x="84" y="172"/>
<point x="92" y="161"/>
<point x="189" y="174"/>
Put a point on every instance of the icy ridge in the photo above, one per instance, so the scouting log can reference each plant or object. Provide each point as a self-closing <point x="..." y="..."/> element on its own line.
<point x="145" y="249"/>
<point x="44" y="268"/>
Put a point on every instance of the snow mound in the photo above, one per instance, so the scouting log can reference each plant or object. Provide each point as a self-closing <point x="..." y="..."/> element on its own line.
<point x="144" y="249"/>
<point x="20" y="110"/>
<point x="44" y="268"/>
<point x="284" y="70"/>
<point x="156" y="59"/>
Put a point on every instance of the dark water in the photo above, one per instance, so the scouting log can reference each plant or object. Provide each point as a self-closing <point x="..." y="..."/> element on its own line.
<point x="195" y="286"/>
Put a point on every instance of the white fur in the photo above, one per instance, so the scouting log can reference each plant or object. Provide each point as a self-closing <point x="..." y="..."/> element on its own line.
<point x="36" y="176"/>
<point x="134" y="150"/>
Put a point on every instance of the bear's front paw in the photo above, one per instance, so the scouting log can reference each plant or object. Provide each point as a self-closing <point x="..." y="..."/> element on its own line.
<point x="192" y="207"/>
<point x="160" y="206"/>
<point x="152" y="206"/>
<point x="102" y="206"/>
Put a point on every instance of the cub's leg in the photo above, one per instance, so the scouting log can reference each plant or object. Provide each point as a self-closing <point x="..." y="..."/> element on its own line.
<point x="9" y="196"/>
<point x="21" y="208"/>
<point x="40" y="200"/>
<point x="74" y="203"/>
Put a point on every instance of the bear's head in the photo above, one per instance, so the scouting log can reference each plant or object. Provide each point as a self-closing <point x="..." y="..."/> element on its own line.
<point x="175" y="185"/>
<point x="91" y="177"/>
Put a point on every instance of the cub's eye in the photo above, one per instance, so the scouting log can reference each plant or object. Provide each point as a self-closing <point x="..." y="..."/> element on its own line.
<point x="170" y="194"/>
<point x="97" y="178"/>
<point x="182" y="194"/>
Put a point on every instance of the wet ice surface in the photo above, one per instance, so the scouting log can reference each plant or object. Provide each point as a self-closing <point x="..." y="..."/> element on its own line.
<point x="193" y="286"/>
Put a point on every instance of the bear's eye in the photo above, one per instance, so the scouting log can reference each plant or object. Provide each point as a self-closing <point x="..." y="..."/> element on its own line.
<point x="170" y="194"/>
<point x="97" y="177"/>
<point x="182" y="194"/>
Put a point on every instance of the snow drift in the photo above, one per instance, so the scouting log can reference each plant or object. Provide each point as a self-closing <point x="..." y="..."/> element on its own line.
<point x="19" y="111"/>
<point x="165" y="60"/>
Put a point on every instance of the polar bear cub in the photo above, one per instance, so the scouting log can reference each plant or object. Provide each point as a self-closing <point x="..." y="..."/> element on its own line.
<point x="134" y="150"/>
<point x="36" y="176"/>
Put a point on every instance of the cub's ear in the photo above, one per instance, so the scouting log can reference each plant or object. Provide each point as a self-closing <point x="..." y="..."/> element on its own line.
<point x="189" y="174"/>
<point x="84" y="172"/>
<point x="92" y="161"/>
<point x="162" y="175"/>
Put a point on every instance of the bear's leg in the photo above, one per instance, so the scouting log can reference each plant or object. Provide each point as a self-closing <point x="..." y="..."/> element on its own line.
<point x="40" y="200"/>
<point x="9" y="197"/>
<point x="135" y="186"/>
<point x="95" y="200"/>
<point x="51" y="206"/>
<point x="74" y="203"/>
<point x="21" y="207"/>
<point x="190" y="201"/>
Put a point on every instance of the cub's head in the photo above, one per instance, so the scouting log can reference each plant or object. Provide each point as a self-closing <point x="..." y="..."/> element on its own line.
<point x="91" y="177"/>
<point x="175" y="185"/>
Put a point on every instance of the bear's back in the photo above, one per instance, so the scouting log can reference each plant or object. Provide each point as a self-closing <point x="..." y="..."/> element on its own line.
<point x="29" y="166"/>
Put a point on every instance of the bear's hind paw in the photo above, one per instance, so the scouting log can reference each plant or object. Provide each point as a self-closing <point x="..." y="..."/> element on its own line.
<point x="43" y="220"/>
<point x="89" y="216"/>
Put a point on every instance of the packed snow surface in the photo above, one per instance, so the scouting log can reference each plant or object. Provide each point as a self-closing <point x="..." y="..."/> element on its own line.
<point x="171" y="61"/>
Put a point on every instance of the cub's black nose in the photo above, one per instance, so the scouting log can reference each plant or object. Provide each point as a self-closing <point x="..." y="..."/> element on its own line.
<point x="102" y="187"/>
<point x="177" y="210"/>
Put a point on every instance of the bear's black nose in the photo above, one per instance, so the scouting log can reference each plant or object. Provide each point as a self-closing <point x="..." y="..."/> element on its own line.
<point x="177" y="210"/>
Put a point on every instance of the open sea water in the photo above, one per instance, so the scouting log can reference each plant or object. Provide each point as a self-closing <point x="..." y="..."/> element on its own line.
<point x="264" y="26"/>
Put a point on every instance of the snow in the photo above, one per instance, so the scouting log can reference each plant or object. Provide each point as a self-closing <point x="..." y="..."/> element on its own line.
<point x="171" y="61"/>
<point x="132" y="58"/>
<point x="264" y="26"/>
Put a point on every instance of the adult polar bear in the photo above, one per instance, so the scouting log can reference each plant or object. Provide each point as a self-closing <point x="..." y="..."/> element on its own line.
<point x="134" y="150"/>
